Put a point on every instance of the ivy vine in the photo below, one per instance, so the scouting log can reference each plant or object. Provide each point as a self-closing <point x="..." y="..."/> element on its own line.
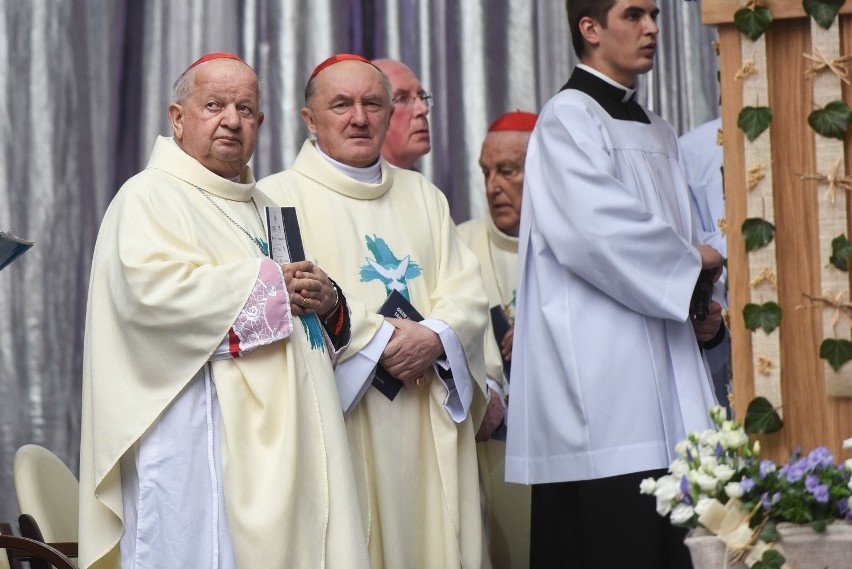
<point x="823" y="11"/>
<point x="757" y="233"/>
<point x="754" y="120"/>
<point x="832" y="120"/>
<point x="836" y="351"/>
<point x="841" y="250"/>
<point x="753" y="22"/>
<point x="762" y="417"/>
<point x="766" y="316"/>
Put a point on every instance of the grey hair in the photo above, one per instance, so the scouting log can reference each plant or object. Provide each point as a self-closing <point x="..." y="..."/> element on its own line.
<point x="182" y="89"/>
<point x="311" y="89"/>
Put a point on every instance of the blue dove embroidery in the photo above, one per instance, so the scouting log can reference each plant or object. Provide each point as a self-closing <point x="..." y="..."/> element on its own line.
<point x="392" y="272"/>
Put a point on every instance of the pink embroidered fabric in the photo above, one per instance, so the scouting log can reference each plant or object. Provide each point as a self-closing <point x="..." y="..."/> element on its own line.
<point x="266" y="316"/>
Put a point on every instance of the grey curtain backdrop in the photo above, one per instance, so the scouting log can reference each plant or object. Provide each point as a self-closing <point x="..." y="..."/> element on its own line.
<point x="84" y="86"/>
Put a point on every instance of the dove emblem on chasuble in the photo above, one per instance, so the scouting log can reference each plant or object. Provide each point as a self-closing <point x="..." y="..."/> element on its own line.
<point x="393" y="272"/>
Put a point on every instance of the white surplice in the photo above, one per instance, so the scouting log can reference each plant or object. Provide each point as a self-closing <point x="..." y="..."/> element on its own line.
<point x="606" y="372"/>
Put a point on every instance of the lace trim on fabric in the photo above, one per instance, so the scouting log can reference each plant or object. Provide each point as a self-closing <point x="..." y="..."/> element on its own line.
<point x="266" y="316"/>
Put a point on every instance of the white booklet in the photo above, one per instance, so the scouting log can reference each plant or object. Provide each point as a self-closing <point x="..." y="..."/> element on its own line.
<point x="11" y="247"/>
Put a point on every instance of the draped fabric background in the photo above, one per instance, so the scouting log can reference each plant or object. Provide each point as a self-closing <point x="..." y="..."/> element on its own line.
<point x="84" y="86"/>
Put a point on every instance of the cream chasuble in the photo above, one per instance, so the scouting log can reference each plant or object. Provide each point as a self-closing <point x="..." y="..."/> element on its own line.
<point x="507" y="506"/>
<point x="170" y="275"/>
<point x="416" y="468"/>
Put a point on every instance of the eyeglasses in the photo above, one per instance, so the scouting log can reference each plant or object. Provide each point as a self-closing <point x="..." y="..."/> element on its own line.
<point x="406" y="99"/>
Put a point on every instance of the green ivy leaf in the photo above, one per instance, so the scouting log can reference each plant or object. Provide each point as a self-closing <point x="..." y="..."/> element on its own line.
<point x="832" y="120"/>
<point x="836" y="351"/>
<point x="819" y="526"/>
<point x="841" y="250"/>
<point x="761" y="417"/>
<point x="766" y="316"/>
<point x="771" y="559"/>
<point x="752" y="23"/>
<point x="757" y="233"/>
<point x="770" y="532"/>
<point x="823" y="11"/>
<point x="754" y="120"/>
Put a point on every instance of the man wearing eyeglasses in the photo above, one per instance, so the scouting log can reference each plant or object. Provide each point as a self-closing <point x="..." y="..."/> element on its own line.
<point x="408" y="134"/>
<point x="381" y="231"/>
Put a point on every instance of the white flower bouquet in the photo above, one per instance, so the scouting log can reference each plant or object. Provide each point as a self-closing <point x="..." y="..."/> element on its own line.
<point x="719" y="482"/>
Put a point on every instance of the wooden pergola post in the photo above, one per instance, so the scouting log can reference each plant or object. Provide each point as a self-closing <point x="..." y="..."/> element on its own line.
<point x="812" y="417"/>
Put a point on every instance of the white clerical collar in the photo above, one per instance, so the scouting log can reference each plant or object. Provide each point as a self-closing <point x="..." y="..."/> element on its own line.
<point x="370" y="175"/>
<point x="596" y="73"/>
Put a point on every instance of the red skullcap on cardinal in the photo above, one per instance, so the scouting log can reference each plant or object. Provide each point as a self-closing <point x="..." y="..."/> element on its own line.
<point x="516" y="120"/>
<point x="337" y="59"/>
<point x="216" y="55"/>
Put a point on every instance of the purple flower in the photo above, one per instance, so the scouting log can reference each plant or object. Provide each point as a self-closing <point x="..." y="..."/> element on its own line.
<point x="812" y="482"/>
<point x="689" y="455"/>
<point x="797" y="470"/>
<point x="767" y="467"/>
<point x="843" y="507"/>
<point x="820" y="457"/>
<point x="767" y="501"/>
<point x="821" y="494"/>
<point x="685" y="490"/>
<point x="747" y="484"/>
<point x="719" y="450"/>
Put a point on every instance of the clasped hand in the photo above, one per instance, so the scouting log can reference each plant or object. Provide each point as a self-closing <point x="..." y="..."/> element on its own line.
<point x="309" y="287"/>
<point x="411" y="351"/>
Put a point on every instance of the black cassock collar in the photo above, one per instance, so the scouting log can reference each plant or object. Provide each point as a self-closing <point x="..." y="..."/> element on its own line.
<point x="610" y="97"/>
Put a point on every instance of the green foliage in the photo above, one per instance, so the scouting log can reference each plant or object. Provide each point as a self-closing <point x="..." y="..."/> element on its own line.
<point x="770" y="532"/>
<point x="754" y="120"/>
<point x="722" y="465"/>
<point x="832" y="120"/>
<point x="766" y="316"/>
<point x="771" y="559"/>
<point x="807" y="490"/>
<point x="753" y="23"/>
<point x="761" y="417"/>
<point x="757" y="233"/>
<point x="836" y="351"/>
<point x="823" y="11"/>
<point x="841" y="250"/>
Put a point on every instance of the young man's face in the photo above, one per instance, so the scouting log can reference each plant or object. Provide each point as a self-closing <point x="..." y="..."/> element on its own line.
<point x="627" y="45"/>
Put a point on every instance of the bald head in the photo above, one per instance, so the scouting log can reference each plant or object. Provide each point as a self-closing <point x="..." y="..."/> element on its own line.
<point x="408" y="134"/>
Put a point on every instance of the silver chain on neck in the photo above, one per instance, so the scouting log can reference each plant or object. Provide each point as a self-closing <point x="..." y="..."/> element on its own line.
<point x="260" y="243"/>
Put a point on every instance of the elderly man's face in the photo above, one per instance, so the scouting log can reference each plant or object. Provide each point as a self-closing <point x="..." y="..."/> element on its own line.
<point x="349" y="113"/>
<point x="502" y="162"/>
<point x="408" y="134"/>
<point x="217" y="125"/>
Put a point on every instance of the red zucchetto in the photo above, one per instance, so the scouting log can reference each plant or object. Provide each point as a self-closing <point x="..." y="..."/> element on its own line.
<point x="337" y="59"/>
<point x="216" y="55"/>
<point x="516" y="120"/>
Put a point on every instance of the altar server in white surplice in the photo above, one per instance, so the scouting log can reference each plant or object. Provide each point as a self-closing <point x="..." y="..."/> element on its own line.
<point x="493" y="238"/>
<point x="607" y="374"/>
<point x="378" y="229"/>
<point x="212" y="433"/>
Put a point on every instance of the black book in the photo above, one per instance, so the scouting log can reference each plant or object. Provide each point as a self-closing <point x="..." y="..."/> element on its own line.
<point x="11" y="247"/>
<point x="395" y="306"/>
<point x="285" y="239"/>
<point x="500" y="325"/>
